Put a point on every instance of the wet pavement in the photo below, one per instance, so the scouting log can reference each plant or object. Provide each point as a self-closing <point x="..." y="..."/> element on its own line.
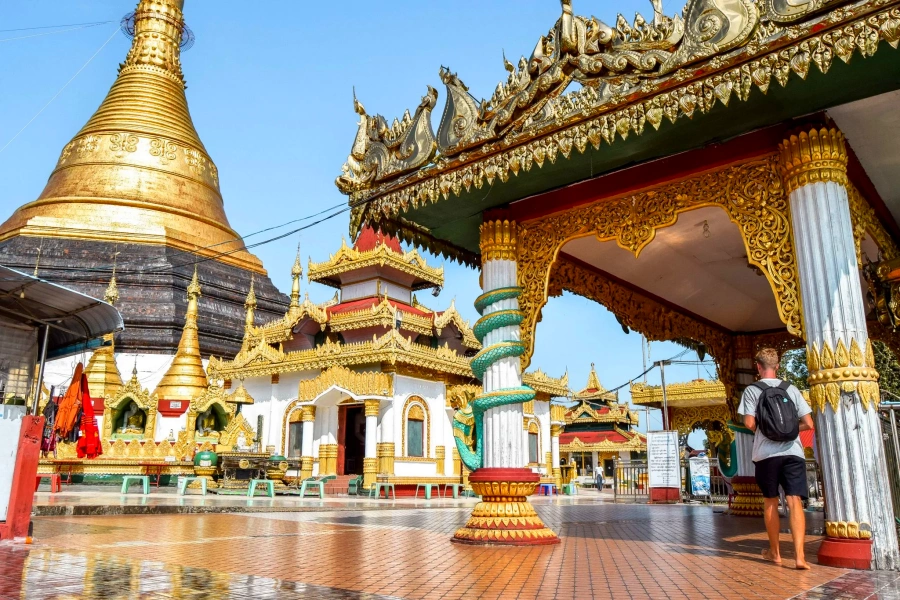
<point x="403" y="550"/>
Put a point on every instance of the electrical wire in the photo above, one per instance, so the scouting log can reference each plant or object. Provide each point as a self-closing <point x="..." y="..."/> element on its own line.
<point x="56" y="95"/>
<point x="34" y="35"/>
<point x="88" y="24"/>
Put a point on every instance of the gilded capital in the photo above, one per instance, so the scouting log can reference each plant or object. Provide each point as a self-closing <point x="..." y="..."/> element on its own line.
<point x="555" y="430"/>
<point x="498" y="240"/>
<point x="812" y="156"/>
<point x="372" y="408"/>
<point x="308" y="413"/>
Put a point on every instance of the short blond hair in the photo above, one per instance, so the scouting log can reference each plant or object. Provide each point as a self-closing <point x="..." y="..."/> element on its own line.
<point x="768" y="358"/>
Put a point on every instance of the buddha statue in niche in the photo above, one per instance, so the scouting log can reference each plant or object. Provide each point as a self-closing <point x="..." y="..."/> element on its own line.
<point x="206" y="424"/>
<point x="133" y="420"/>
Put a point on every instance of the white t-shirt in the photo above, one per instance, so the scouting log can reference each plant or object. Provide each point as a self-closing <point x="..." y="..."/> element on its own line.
<point x="763" y="447"/>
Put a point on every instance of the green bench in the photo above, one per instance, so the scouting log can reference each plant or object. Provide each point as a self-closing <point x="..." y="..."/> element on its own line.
<point x="184" y="481"/>
<point x="318" y="484"/>
<point x="378" y="486"/>
<point x="427" y="487"/>
<point x="355" y="486"/>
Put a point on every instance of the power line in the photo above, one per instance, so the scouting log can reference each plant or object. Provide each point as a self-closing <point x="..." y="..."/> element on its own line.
<point x="89" y="24"/>
<point x="34" y="35"/>
<point x="49" y="102"/>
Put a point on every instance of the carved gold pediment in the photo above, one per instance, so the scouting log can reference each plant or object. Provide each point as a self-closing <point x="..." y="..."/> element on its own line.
<point x="132" y="391"/>
<point x="358" y="384"/>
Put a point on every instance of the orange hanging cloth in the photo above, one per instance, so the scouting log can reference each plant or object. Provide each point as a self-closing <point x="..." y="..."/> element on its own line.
<point x="88" y="445"/>
<point x="69" y="405"/>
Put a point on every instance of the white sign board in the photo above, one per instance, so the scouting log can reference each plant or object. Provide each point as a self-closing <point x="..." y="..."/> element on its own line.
<point x="662" y="459"/>
<point x="9" y="448"/>
<point x="699" y="475"/>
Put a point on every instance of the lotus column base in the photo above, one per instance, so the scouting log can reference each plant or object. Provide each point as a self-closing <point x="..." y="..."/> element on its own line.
<point x="504" y="517"/>
<point x="748" y="500"/>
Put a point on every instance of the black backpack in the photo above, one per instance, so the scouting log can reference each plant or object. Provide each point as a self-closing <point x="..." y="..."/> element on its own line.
<point x="776" y="413"/>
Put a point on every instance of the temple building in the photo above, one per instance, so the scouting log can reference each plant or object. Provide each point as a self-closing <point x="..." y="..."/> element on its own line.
<point x="723" y="177"/>
<point x="599" y="430"/>
<point x="135" y="190"/>
<point x="368" y="382"/>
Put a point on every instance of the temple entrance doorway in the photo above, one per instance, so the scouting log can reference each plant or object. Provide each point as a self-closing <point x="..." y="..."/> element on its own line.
<point x="351" y="440"/>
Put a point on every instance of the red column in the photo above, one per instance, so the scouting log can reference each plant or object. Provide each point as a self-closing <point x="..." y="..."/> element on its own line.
<point x="21" y="496"/>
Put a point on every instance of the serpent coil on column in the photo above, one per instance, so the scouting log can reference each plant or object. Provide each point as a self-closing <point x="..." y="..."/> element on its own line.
<point x="468" y="422"/>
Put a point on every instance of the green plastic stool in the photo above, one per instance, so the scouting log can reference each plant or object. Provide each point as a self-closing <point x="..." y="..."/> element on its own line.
<point x="184" y="481"/>
<point x="318" y="486"/>
<point x="270" y="487"/>
<point x="144" y="479"/>
<point x="427" y="487"/>
<point x="456" y="487"/>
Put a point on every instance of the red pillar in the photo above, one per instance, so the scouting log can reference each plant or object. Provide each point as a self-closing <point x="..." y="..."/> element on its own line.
<point x="21" y="496"/>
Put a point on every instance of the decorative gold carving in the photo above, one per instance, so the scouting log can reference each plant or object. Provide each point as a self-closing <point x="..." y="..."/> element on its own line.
<point x="385" y="452"/>
<point x="635" y="442"/>
<point x="596" y="114"/>
<point x="615" y="413"/>
<point x="700" y="392"/>
<point x="712" y="419"/>
<point x="308" y="414"/>
<point x="392" y="348"/>
<point x="348" y="258"/>
<point x="122" y="143"/>
<point x="372" y="408"/>
<point x="328" y="459"/>
<point x="557" y="414"/>
<point x="370" y="471"/>
<point x="237" y="427"/>
<point x="216" y="399"/>
<point x="813" y="156"/>
<point x="748" y="500"/>
<point x="416" y="408"/>
<point x="449" y="317"/>
<point x="306" y="467"/>
<point x="370" y="383"/>
<point x="555" y="430"/>
<point x="752" y="195"/>
<point x="380" y="152"/>
<point x="504" y="516"/>
<point x="867" y="224"/>
<point x="851" y="530"/>
<point x="831" y="373"/>
<point x="440" y="457"/>
<point x="641" y="313"/>
<point x="547" y="387"/>
<point x="498" y="240"/>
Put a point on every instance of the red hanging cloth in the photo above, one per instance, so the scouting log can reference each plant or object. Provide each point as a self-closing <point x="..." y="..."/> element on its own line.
<point x="88" y="445"/>
<point x="69" y="405"/>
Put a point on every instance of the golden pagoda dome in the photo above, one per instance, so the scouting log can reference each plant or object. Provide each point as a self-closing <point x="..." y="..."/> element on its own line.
<point x="186" y="378"/>
<point x="137" y="171"/>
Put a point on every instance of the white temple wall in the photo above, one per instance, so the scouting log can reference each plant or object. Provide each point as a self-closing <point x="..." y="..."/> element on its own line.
<point x="542" y="413"/>
<point x="414" y="469"/>
<point x="438" y="426"/>
<point x="165" y="424"/>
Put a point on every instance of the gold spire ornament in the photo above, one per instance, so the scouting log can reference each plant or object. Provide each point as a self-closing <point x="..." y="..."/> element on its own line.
<point x="296" y="273"/>
<point x="186" y="378"/>
<point x="137" y="171"/>
<point x="104" y="379"/>
<point x="250" y="305"/>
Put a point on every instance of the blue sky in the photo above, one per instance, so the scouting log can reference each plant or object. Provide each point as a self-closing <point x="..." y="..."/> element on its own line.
<point x="270" y="90"/>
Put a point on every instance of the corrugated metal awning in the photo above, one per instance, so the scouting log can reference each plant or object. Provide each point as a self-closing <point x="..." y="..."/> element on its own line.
<point x="74" y="318"/>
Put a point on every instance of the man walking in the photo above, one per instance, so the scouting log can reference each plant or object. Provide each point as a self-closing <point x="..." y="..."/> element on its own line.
<point x="779" y="461"/>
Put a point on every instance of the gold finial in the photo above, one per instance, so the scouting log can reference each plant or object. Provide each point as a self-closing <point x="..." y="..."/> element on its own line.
<point x="296" y="273"/>
<point x="186" y="379"/>
<point x="112" y="290"/>
<point x="593" y="381"/>
<point x="250" y="305"/>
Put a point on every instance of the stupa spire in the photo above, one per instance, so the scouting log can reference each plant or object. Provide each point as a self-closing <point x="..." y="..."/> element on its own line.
<point x="296" y="273"/>
<point x="250" y="306"/>
<point x="186" y="378"/>
<point x="102" y="373"/>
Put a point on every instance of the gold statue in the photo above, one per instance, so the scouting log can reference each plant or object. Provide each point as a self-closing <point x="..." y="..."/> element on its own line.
<point x="133" y="421"/>
<point x="206" y="424"/>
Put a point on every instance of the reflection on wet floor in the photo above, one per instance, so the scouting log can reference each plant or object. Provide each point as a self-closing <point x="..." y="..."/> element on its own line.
<point x="403" y="551"/>
<point x="43" y="574"/>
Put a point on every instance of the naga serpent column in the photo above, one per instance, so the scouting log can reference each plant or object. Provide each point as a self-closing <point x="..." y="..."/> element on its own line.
<point x="488" y="431"/>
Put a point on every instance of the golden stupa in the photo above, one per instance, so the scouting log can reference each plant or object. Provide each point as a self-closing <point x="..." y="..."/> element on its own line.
<point x="137" y="171"/>
<point x="104" y="379"/>
<point x="186" y="378"/>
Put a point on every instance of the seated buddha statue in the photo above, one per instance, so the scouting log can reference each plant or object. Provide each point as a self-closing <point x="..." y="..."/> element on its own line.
<point x="133" y="420"/>
<point x="206" y="424"/>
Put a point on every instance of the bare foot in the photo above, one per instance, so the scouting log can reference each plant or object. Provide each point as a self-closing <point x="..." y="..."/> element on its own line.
<point x="767" y="554"/>
<point x="802" y="565"/>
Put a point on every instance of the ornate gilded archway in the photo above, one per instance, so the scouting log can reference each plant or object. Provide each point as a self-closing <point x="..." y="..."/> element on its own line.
<point x="146" y="402"/>
<point x="216" y="398"/>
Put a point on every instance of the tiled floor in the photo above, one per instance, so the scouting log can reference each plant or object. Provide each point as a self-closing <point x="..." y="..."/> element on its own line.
<point x="607" y="551"/>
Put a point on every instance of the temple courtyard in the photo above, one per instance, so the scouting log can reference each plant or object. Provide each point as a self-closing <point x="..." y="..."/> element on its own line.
<point x="231" y="547"/>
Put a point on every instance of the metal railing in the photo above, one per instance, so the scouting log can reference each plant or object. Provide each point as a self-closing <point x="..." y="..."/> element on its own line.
<point x="887" y="413"/>
<point x="630" y="481"/>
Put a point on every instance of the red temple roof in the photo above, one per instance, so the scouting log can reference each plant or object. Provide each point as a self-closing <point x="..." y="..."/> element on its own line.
<point x="369" y="239"/>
